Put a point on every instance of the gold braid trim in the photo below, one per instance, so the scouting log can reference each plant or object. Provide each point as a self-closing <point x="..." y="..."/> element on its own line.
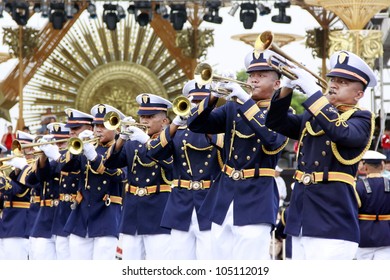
<point x="24" y="193"/>
<point x="311" y="131"/>
<point x="153" y="163"/>
<point x="243" y="136"/>
<point x="274" y="152"/>
<point x="220" y="161"/>
<point x="359" y="157"/>
<point x="198" y="149"/>
<point x="165" y="177"/>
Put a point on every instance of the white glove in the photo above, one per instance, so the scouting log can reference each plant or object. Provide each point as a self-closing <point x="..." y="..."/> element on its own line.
<point x="18" y="162"/>
<point x="180" y="121"/>
<point x="51" y="151"/>
<point x="238" y="92"/>
<point x="305" y="81"/>
<point x="86" y="134"/>
<point x="286" y="82"/>
<point x="89" y="151"/>
<point x="137" y="134"/>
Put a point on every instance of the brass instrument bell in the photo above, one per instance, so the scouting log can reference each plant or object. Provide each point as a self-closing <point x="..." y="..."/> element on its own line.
<point x="181" y="106"/>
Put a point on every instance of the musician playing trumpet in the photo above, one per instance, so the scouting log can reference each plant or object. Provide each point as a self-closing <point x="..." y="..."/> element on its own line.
<point x="243" y="202"/>
<point x="333" y="135"/>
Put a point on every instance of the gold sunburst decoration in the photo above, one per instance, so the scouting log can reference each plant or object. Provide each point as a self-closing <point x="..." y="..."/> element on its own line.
<point x="94" y="65"/>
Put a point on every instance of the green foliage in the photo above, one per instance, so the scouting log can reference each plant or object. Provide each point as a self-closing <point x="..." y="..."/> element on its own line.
<point x="242" y="75"/>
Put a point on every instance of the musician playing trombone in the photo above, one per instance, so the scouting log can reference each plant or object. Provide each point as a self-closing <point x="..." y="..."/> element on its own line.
<point x="197" y="162"/>
<point x="333" y="135"/>
<point x="93" y="223"/>
<point x="243" y="202"/>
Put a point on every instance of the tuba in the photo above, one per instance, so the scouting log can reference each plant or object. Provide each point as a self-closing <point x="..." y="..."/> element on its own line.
<point x="265" y="42"/>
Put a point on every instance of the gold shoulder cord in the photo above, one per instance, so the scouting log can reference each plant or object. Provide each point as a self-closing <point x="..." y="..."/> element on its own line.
<point x="359" y="157"/>
<point x="220" y="161"/>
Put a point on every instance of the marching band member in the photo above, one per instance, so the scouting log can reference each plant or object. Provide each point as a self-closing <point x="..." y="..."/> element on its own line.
<point x="374" y="213"/>
<point x="77" y="122"/>
<point x="243" y="202"/>
<point x="333" y="133"/>
<point x="18" y="212"/>
<point x="94" y="221"/>
<point x="148" y="186"/>
<point x="196" y="162"/>
<point x="43" y="241"/>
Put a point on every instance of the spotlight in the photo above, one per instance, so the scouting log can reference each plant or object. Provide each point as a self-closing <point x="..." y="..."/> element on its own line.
<point x="120" y="11"/>
<point x="131" y="9"/>
<point x="92" y="10"/>
<point x="234" y="9"/>
<point x="20" y="12"/>
<point x="57" y="15"/>
<point x="36" y="8"/>
<point x="263" y="9"/>
<point x="71" y="10"/>
<point x="282" y="17"/>
<point x="44" y="9"/>
<point x="162" y="10"/>
<point x="178" y="16"/>
<point x="248" y="14"/>
<point x="212" y="14"/>
<point x="145" y="12"/>
<point x="110" y="16"/>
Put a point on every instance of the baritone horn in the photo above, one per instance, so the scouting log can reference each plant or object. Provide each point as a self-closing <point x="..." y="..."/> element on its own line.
<point x="112" y="121"/>
<point x="265" y="42"/>
<point x="181" y="106"/>
<point x="204" y="75"/>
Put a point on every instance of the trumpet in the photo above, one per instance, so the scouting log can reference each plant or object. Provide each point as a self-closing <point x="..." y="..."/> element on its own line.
<point x="112" y="121"/>
<point x="76" y="145"/>
<point x="17" y="146"/>
<point x="181" y="106"/>
<point x="265" y="42"/>
<point x="204" y="75"/>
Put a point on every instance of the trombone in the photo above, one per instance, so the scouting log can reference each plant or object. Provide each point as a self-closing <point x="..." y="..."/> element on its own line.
<point x="112" y="121"/>
<point x="265" y="42"/>
<point x="181" y="106"/>
<point x="204" y="75"/>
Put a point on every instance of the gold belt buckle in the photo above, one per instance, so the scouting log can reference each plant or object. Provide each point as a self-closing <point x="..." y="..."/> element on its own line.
<point x="307" y="179"/>
<point x="56" y="202"/>
<point x="196" y="185"/>
<point x="141" y="191"/>
<point x="237" y="175"/>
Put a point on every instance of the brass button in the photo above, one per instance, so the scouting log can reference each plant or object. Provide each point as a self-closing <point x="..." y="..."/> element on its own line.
<point x="327" y="142"/>
<point x="201" y="171"/>
<point x="254" y="149"/>
<point x="184" y="164"/>
<point x="99" y="188"/>
<point x="206" y="163"/>
<point x="208" y="156"/>
<point x="104" y="182"/>
<point x="183" y="156"/>
<point x="235" y="156"/>
<point x="137" y="179"/>
<point x="73" y="184"/>
<point x="316" y="163"/>
<point x="303" y="163"/>
<point x="248" y="157"/>
<point x="147" y="180"/>
<point x="153" y="173"/>
<point x="88" y="187"/>
<point x="258" y="141"/>
<point x="64" y="185"/>
<point x="134" y="172"/>
<point x="323" y="153"/>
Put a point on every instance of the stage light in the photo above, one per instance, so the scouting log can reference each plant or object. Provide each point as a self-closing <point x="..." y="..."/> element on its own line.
<point x="36" y="8"/>
<point x="212" y="14"/>
<point x="71" y="10"/>
<point x="234" y="9"/>
<point x="162" y="10"/>
<point x="120" y="11"/>
<point x="144" y="10"/>
<point x="248" y="14"/>
<point x="20" y="12"/>
<point x="178" y="16"/>
<point x="57" y="15"/>
<point x="110" y="16"/>
<point x="92" y="10"/>
<point x="282" y="17"/>
<point x="263" y="9"/>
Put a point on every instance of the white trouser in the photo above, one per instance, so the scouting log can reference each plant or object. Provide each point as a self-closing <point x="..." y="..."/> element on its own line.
<point x="375" y="253"/>
<point x="16" y="248"/>
<point x="314" y="248"/>
<point x="2" y="257"/>
<point x="230" y="242"/>
<point x="97" y="248"/>
<point x="42" y="248"/>
<point x="62" y="247"/>
<point x="149" y="247"/>
<point x="192" y="244"/>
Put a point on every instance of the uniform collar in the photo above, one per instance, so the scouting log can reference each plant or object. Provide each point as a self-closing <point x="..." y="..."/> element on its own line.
<point x="263" y="103"/>
<point x="108" y="144"/>
<point x="345" y="107"/>
<point x="374" y="175"/>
